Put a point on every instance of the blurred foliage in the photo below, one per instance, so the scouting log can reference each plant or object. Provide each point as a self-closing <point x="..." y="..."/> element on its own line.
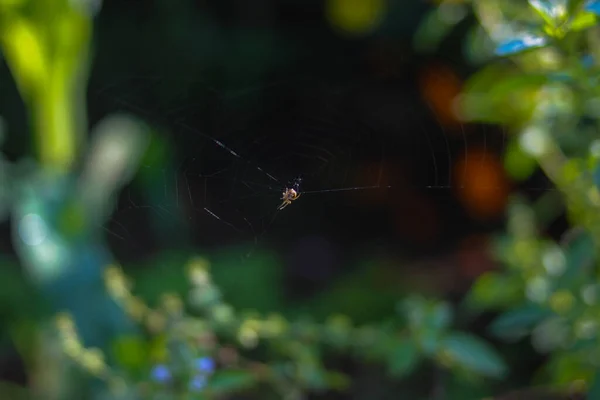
<point x="172" y="335"/>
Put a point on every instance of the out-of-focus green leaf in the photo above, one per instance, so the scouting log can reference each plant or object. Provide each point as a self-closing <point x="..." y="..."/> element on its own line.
<point x="594" y="388"/>
<point x="474" y="354"/>
<point x="596" y="175"/>
<point x="516" y="323"/>
<point x="500" y="94"/>
<point x="494" y="290"/>
<point x="131" y="352"/>
<point x="10" y="391"/>
<point x="519" y="165"/>
<point x="580" y="252"/>
<point x="336" y="380"/>
<point x="552" y="12"/>
<point x="414" y="309"/>
<point x="568" y="367"/>
<point x="583" y="20"/>
<point x="574" y="6"/>
<point x="519" y="45"/>
<point x="429" y="341"/>
<point x="403" y="358"/>
<point x="230" y="381"/>
<point x="437" y="25"/>
<point x="479" y="47"/>
<point x="550" y="335"/>
<point x="593" y="6"/>
<point x="440" y="316"/>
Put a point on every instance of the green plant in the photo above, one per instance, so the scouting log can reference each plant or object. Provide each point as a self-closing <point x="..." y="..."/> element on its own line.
<point x="540" y="81"/>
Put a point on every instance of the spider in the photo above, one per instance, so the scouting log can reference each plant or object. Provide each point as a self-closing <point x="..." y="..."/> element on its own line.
<point x="290" y="194"/>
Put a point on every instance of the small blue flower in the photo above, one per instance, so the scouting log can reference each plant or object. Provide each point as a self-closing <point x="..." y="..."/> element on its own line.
<point x="205" y="364"/>
<point x="161" y="373"/>
<point x="197" y="383"/>
<point x="587" y="61"/>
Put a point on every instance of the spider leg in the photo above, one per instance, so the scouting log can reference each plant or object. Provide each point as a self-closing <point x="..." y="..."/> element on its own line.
<point x="284" y="204"/>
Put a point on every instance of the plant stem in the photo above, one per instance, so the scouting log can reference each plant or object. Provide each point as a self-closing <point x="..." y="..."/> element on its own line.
<point x="55" y="125"/>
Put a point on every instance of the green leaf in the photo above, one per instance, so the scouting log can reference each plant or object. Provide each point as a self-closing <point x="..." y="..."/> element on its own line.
<point x="131" y="352"/>
<point x="440" y="316"/>
<point x="336" y="380"/>
<point x="499" y="94"/>
<point x="403" y="358"/>
<point x="550" y="10"/>
<point x="580" y="253"/>
<point x="474" y="354"/>
<point x="414" y="308"/>
<point x="230" y="381"/>
<point x="583" y="20"/>
<point x="594" y="390"/>
<point x="516" y="323"/>
<point x="437" y="25"/>
<point x="10" y="391"/>
<point x="479" y="47"/>
<point x="494" y="290"/>
<point x="519" y="165"/>
<point x="429" y="341"/>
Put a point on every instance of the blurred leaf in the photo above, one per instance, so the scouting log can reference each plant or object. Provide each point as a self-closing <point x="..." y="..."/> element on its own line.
<point x="230" y="381"/>
<point x="474" y="354"/>
<point x="516" y="323"/>
<point x="413" y="308"/>
<point x="25" y="53"/>
<point x="131" y="352"/>
<point x="500" y="94"/>
<point x="583" y="20"/>
<point x="157" y="350"/>
<point x="519" y="45"/>
<point x="494" y="290"/>
<point x="519" y="165"/>
<point x="429" y="340"/>
<point x="549" y="10"/>
<point x="437" y="25"/>
<point x="580" y="252"/>
<point x="25" y="338"/>
<point x="593" y="6"/>
<point x="594" y="388"/>
<point x="440" y="316"/>
<point x="403" y="358"/>
<point x="10" y="391"/>
<point x="568" y="367"/>
<point x="18" y="297"/>
<point x="575" y="5"/>
<point x="596" y="175"/>
<point x="550" y="334"/>
<point x="336" y="380"/>
<point x="479" y="47"/>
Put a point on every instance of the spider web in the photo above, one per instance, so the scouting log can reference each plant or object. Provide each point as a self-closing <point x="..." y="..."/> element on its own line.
<point x="243" y="148"/>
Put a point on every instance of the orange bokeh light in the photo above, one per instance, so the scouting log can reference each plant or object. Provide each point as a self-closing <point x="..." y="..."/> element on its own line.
<point x="481" y="184"/>
<point x="439" y="87"/>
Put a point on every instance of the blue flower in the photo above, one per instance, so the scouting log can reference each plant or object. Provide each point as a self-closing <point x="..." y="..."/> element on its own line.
<point x="197" y="383"/>
<point x="161" y="373"/>
<point x="205" y="364"/>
